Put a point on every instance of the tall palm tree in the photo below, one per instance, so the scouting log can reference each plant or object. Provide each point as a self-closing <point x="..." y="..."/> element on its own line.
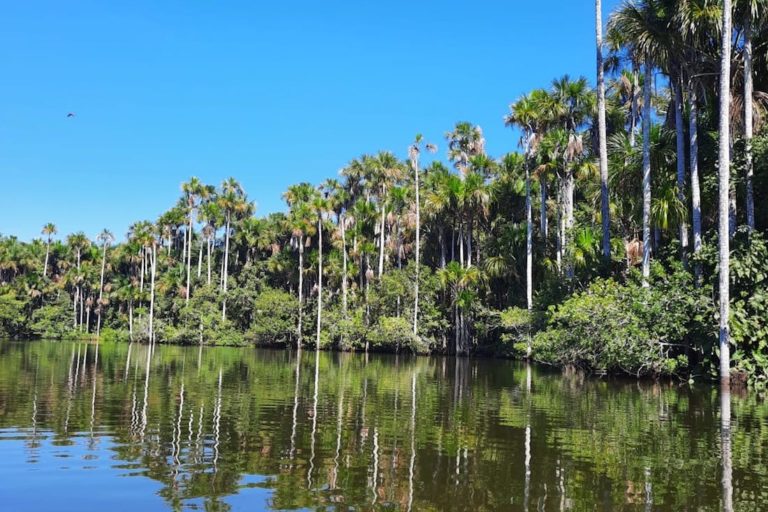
<point x="526" y="115"/>
<point x="234" y="204"/>
<point x="191" y="190"/>
<point x="106" y="238"/>
<point x="724" y="174"/>
<point x="605" y="210"/>
<point x="301" y="224"/>
<point x="414" y="151"/>
<point x="48" y="230"/>
<point x="78" y="243"/>
<point x="643" y="27"/>
<point x="319" y="206"/>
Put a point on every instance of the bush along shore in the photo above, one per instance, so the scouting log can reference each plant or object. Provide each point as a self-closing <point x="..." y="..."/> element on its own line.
<point x="620" y="234"/>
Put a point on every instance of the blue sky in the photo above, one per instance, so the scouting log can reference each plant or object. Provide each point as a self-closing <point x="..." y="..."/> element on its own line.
<point x="271" y="93"/>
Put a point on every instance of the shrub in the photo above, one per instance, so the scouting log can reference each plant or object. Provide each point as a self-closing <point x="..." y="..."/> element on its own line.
<point x="275" y="318"/>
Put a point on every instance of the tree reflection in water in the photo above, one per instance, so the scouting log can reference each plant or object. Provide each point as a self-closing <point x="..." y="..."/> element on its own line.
<point x="383" y="432"/>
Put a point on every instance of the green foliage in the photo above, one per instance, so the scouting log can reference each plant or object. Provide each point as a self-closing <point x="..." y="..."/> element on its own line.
<point x="53" y="320"/>
<point x="629" y="328"/>
<point x="275" y="315"/>
<point x="395" y="334"/>
<point x="12" y="318"/>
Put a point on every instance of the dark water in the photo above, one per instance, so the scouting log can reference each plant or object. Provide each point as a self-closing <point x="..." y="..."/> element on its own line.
<point x="107" y="428"/>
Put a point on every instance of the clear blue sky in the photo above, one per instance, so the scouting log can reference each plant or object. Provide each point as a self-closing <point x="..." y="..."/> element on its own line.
<point x="271" y="93"/>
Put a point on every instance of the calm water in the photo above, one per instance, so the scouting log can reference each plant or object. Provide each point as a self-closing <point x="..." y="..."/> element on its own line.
<point x="107" y="428"/>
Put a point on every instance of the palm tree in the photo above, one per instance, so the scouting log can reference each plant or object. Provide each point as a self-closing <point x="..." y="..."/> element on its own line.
<point x="191" y="190"/>
<point x="298" y="198"/>
<point x="319" y="206"/>
<point x="106" y="238"/>
<point x="233" y="203"/>
<point x="414" y="150"/>
<point x="525" y="114"/>
<point x="605" y="210"/>
<point x="724" y="172"/>
<point x="643" y="27"/>
<point x="48" y="230"/>
<point x="78" y="242"/>
<point x="460" y="281"/>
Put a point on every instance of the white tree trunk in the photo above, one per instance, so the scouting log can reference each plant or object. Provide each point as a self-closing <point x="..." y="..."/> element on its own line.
<point x="748" y="124"/>
<point x="528" y="247"/>
<point x="344" y="285"/>
<point x="101" y="289"/>
<point x="418" y="252"/>
<point x="301" y="289"/>
<point x="647" y="242"/>
<point x="189" y="258"/>
<point x="381" y="236"/>
<point x="319" y="280"/>
<point x="693" y="129"/>
<point x="226" y="271"/>
<point x="680" y="142"/>
<point x="47" y="252"/>
<point x="152" y="295"/>
<point x="605" y="210"/>
<point x="724" y="171"/>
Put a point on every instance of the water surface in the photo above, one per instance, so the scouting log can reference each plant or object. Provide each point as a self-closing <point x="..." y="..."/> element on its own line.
<point x="115" y="427"/>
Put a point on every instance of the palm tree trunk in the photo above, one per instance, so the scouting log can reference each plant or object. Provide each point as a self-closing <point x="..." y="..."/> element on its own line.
<point x="748" y="122"/>
<point x="342" y="222"/>
<point x="633" y="109"/>
<point x="319" y="280"/>
<point x="693" y="127"/>
<point x="189" y="258"/>
<point x="568" y="227"/>
<point x="559" y="241"/>
<point x="441" y="236"/>
<point x="200" y="260"/>
<point x="184" y="252"/>
<point x="724" y="170"/>
<point x="47" y="252"/>
<point x="528" y="248"/>
<point x="101" y="289"/>
<point x="647" y="242"/>
<point x="130" y="319"/>
<point x="152" y="294"/>
<point x="417" y="255"/>
<point x="543" y="221"/>
<point x="208" y="260"/>
<point x="605" y="210"/>
<point x="680" y="141"/>
<point x="461" y="244"/>
<point x="226" y="271"/>
<point x="381" y="237"/>
<point x="468" y="235"/>
<point x="301" y="290"/>
<point x="74" y="308"/>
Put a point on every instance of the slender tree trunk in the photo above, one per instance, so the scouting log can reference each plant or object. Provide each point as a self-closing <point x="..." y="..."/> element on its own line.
<point x="74" y="307"/>
<point x="461" y="244"/>
<point x="528" y="248"/>
<point x="418" y="252"/>
<point x="468" y="235"/>
<point x="441" y="236"/>
<point x="152" y="294"/>
<point x="184" y="252"/>
<point x="47" y="252"/>
<point x="605" y="210"/>
<point x="101" y="289"/>
<point x="559" y="241"/>
<point x="568" y="227"/>
<point x="200" y="260"/>
<point x="724" y="171"/>
<point x="647" y="242"/>
<point x="748" y="122"/>
<point x="680" y="141"/>
<point x="130" y="319"/>
<point x="301" y="290"/>
<point x="633" y="109"/>
<point x="208" y="260"/>
<point x="381" y="236"/>
<point x="189" y="258"/>
<point x="544" y="224"/>
<point x="693" y="129"/>
<point x="226" y="270"/>
<point x="344" y="287"/>
<point x="319" y="280"/>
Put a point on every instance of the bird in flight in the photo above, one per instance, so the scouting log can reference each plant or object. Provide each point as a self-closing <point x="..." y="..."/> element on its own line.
<point x="71" y="114"/>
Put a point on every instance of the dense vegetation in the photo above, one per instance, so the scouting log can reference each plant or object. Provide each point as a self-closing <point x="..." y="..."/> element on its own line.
<point x="531" y="253"/>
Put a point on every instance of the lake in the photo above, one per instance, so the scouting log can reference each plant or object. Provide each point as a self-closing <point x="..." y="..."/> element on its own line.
<point x="119" y="427"/>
